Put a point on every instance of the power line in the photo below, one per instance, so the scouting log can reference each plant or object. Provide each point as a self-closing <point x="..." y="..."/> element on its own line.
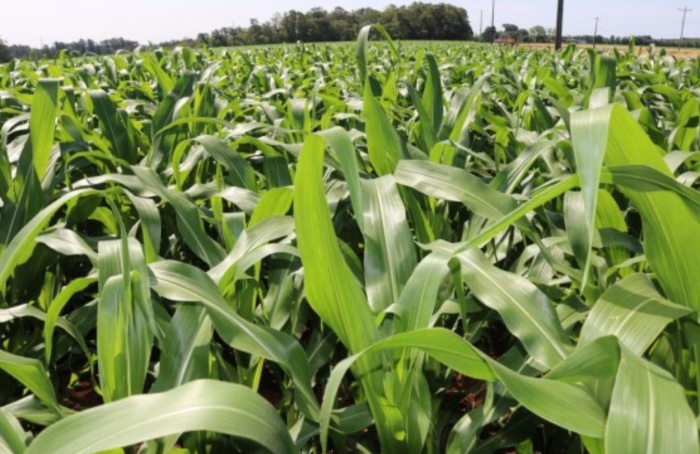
<point x="595" y="33"/>
<point x="685" y="12"/>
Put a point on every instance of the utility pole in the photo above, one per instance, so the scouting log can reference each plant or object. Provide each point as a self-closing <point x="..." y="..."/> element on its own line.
<point x="296" y="26"/>
<point x="481" y="24"/>
<point x="595" y="33"/>
<point x="560" y="23"/>
<point x="493" y="21"/>
<point x="685" y="11"/>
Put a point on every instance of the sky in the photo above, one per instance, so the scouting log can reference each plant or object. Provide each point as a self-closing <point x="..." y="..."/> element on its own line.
<point x="37" y="22"/>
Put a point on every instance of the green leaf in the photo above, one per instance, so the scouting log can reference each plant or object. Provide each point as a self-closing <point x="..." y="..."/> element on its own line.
<point x="465" y="433"/>
<point x="31" y="373"/>
<point x="649" y="412"/>
<point x="184" y="283"/>
<point x="453" y="184"/>
<point x="240" y="171"/>
<point x="441" y="344"/>
<point x="150" y="224"/>
<point x="427" y="130"/>
<point x="13" y="439"/>
<point x="189" y="220"/>
<point x="331" y="288"/>
<point x="20" y="248"/>
<point x="251" y="239"/>
<point x="603" y="77"/>
<point x="32" y="410"/>
<point x="526" y="311"/>
<point x="125" y="320"/>
<point x="590" y="362"/>
<point x="112" y="126"/>
<point x="670" y="224"/>
<point x="185" y="353"/>
<point x="432" y="96"/>
<point x="417" y="303"/>
<point x="165" y="82"/>
<point x="383" y="142"/>
<point x="54" y="311"/>
<point x="688" y="122"/>
<point x="634" y="311"/>
<point x="42" y="122"/>
<point x="361" y="48"/>
<point x="589" y="149"/>
<point x="67" y="242"/>
<point x="112" y="337"/>
<point x="339" y="140"/>
<point x="554" y="400"/>
<point x="361" y="53"/>
<point x="182" y="89"/>
<point x="549" y="399"/>
<point x="25" y="310"/>
<point x="576" y="227"/>
<point x="201" y="405"/>
<point x="390" y="255"/>
<point x="273" y="203"/>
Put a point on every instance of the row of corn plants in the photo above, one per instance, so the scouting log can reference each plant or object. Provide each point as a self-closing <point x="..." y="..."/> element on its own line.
<point x="385" y="247"/>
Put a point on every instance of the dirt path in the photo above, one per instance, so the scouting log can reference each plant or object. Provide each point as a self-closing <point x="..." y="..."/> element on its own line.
<point x="683" y="53"/>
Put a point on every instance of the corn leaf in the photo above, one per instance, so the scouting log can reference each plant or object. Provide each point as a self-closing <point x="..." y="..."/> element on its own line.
<point x="200" y="405"/>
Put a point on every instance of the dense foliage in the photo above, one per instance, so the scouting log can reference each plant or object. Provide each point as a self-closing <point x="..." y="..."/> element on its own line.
<point x="384" y="249"/>
<point x="417" y="21"/>
<point x="80" y="47"/>
<point x="5" y="52"/>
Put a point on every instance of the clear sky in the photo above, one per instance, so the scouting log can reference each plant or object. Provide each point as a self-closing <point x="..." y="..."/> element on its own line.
<point x="35" y="22"/>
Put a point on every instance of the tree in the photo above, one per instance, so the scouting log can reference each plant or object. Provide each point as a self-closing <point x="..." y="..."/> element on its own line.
<point x="20" y="51"/>
<point x="365" y="16"/>
<point x="513" y="33"/>
<point x="427" y="21"/>
<point x="256" y="34"/>
<point x="203" y="38"/>
<point x="538" y="34"/>
<point x="510" y="32"/>
<point x="417" y="21"/>
<point x="293" y="23"/>
<point x="5" y="52"/>
<point x="341" y="21"/>
<point x="523" y="36"/>
<point x="277" y="20"/>
<point x="218" y="38"/>
<point x="319" y="27"/>
<point x="489" y="34"/>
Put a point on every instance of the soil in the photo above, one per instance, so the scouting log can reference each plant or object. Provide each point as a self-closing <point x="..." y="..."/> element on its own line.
<point x="673" y="51"/>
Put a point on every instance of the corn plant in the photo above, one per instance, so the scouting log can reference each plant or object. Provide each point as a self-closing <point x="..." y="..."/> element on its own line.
<point x="387" y="247"/>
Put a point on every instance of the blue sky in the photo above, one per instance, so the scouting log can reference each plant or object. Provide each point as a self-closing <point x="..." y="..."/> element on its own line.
<point x="45" y="21"/>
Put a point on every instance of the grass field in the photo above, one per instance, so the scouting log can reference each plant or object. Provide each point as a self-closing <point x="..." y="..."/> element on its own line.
<point x="383" y="247"/>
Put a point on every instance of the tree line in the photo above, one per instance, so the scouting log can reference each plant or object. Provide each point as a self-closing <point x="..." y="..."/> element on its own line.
<point x="538" y="34"/>
<point x="418" y="21"/>
<point x="81" y="47"/>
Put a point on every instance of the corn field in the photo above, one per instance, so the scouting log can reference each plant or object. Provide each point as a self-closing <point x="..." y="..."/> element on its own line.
<point x="388" y="247"/>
